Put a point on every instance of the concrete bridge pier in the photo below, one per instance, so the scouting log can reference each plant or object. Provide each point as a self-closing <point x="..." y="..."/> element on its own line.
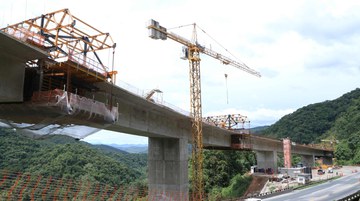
<point x="308" y="160"/>
<point x="267" y="159"/>
<point x="327" y="160"/>
<point x="11" y="85"/>
<point x="168" y="168"/>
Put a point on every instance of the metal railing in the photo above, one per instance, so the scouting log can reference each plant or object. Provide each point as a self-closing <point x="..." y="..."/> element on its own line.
<point x="142" y="94"/>
<point x="25" y="35"/>
<point x="89" y="63"/>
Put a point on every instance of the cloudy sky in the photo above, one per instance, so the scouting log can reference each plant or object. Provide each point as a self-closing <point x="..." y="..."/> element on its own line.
<point x="306" y="51"/>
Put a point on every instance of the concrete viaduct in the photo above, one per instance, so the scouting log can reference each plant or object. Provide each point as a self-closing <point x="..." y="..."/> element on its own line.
<point x="168" y="130"/>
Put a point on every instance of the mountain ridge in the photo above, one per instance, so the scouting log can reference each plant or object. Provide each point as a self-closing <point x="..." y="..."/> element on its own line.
<point x="335" y="122"/>
<point x="310" y="123"/>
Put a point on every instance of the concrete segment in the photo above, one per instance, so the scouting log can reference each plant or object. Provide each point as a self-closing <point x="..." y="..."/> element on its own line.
<point x="16" y="49"/>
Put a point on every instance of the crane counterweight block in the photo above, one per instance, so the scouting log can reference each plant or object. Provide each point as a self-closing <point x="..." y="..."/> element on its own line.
<point x="159" y="33"/>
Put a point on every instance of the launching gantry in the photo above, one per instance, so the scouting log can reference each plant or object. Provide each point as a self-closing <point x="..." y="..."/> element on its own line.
<point x="72" y="45"/>
<point x="240" y="124"/>
<point x="68" y="77"/>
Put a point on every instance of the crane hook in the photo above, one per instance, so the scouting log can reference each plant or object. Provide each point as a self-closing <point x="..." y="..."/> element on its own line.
<point x="227" y="92"/>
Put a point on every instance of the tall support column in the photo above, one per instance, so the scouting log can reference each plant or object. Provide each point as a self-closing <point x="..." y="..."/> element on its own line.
<point x="327" y="160"/>
<point x="308" y="160"/>
<point x="287" y="152"/>
<point x="267" y="159"/>
<point x="168" y="168"/>
<point x="12" y="80"/>
<point x="41" y="73"/>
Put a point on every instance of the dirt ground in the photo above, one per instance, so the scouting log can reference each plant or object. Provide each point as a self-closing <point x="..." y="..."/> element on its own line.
<point x="257" y="184"/>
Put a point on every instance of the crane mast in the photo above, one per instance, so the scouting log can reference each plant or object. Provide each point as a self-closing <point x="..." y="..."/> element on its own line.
<point x="192" y="52"/>
<point x="196" y="127"/>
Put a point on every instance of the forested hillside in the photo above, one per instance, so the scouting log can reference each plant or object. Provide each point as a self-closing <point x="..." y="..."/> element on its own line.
<point x="64" y="157"/>
<point x="67" y="159"/>
<point x="337" y="121"/>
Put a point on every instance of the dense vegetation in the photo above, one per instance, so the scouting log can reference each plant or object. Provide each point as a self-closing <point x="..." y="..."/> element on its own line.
<point x="347" y="131"/>
<point x="64" y="157"/>
<point x="336" y="121"/>
<point x="224" y="173"/>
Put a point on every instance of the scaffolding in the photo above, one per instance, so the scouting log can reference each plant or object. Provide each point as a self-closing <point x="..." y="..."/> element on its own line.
<point x="73" y="45"/>
<point x="66" y="81"/>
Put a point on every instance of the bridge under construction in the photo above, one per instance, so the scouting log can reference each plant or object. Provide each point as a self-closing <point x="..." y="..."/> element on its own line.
<point x="51" y="72"/>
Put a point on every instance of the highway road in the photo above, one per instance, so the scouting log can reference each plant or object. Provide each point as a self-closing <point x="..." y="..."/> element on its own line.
<point x="331" y="190"/>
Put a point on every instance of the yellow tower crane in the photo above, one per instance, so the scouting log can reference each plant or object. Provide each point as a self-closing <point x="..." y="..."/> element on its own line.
<point x="192" y="52"/>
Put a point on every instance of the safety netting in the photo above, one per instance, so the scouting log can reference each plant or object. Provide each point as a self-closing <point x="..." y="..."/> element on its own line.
<point x="73" y="104"/>
<point x="65" y="105"/>
<point x="25" y="186"/>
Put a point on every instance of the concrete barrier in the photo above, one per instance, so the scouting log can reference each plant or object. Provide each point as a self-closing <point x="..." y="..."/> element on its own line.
<point x="354" y="196"/>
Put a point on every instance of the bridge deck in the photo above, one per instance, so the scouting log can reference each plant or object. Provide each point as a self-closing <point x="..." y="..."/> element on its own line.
<point x="10" y="47"/>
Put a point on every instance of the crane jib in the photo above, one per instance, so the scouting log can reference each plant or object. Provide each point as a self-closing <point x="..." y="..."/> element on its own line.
<point x="159" y="32"/>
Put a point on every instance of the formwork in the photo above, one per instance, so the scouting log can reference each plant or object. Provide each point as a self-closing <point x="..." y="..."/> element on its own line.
<point x="64" y="83"/>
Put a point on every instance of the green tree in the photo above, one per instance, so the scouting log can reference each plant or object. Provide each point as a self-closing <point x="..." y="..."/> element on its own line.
<point x="356" y="159"/>
<point x="343" y="152"/>
<point x="221" y="168"/>
<point x="238" y="186"/>
<point x="295" y="159"/>
<point x="64" y="158"/>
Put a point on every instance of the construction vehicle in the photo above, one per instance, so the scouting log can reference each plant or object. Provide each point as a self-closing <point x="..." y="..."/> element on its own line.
<point x="192" y="50"/>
